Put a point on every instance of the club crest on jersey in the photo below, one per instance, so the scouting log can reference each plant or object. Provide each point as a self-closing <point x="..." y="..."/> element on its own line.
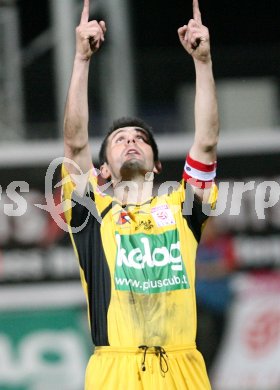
<point x="163" y="215"/>
<point x="124" y="218"/>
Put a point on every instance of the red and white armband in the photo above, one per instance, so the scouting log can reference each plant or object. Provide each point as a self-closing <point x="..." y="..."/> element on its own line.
<point x="199" y="174"/>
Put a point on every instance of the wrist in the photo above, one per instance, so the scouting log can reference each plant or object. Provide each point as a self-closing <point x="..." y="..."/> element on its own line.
<point x="82" y="58"/>
<point x="203" y="67"/>
<point x="204" y="61"/>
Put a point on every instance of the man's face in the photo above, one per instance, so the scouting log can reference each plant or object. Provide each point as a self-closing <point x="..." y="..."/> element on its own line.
<point x="129" y="154"/>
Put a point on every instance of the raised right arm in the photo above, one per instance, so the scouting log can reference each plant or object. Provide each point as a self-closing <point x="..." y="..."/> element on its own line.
<point x="89" y="37"/>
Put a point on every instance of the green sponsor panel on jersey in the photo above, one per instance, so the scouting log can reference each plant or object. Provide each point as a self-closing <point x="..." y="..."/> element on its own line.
<point x="150" y="263"/>
<point x="44" y="349"/>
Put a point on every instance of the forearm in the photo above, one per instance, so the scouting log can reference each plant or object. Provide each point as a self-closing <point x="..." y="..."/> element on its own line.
<point x="206" y="111"/>
<point x="76" y="110"/>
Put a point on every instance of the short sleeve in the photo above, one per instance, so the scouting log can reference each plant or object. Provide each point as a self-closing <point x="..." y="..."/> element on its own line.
<point x="93" y="200"/>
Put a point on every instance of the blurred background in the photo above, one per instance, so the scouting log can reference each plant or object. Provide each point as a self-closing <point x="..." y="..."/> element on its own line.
<point x="141" y="69"/>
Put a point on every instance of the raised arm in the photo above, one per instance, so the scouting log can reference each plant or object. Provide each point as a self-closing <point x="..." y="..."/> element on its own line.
<point x="195" y="39"/>
<point x="89" y="37"/>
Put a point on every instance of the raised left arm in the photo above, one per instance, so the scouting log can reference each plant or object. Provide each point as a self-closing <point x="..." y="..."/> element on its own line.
<point x="196" y="41"/>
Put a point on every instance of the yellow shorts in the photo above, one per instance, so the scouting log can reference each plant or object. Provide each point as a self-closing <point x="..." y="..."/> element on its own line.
<point x="168" y="368"/>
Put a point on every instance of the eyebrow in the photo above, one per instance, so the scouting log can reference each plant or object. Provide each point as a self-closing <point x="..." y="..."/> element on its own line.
<point x="139" y="129"/>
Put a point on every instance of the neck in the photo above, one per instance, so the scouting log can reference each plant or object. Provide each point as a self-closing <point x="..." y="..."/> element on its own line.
<point x="134" y="191"/>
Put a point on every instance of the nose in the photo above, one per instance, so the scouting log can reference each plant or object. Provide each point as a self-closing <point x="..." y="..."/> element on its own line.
<point x="131" y="138"/>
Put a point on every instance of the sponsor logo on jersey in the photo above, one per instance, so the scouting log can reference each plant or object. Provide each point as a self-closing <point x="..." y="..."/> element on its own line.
<point x="148" y="263"/>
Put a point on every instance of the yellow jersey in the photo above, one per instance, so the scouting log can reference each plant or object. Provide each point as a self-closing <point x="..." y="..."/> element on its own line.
<point x="137" y="264"/>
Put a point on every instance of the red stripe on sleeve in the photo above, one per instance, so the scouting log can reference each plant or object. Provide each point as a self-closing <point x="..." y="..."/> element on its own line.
<point x="201" y="166"/>
<point x="197" y="183"/>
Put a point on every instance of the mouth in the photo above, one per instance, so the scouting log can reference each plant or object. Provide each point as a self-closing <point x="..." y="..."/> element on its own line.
<point x="132" y="152"/>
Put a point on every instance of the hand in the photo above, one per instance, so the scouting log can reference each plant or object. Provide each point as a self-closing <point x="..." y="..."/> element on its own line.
<point x="195" y="37"/>
<point x="89" y="34"/>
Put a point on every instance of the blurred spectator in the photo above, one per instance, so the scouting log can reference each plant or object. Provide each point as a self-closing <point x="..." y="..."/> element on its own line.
<point x="214" y="265"/>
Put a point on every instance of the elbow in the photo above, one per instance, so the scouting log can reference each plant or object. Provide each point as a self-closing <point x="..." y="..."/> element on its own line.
<point x="212" y="143"/>
<point x="76" y="145"/>
<point x="209" y="148"/>
<point x="212" y="139"/>
<point x="75" y="141"/>
<point x="209" y="143"/>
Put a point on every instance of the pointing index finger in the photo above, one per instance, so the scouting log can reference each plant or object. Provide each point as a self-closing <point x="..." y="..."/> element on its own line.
<point x="85" y="12"/>
<point x="196" y="12"/>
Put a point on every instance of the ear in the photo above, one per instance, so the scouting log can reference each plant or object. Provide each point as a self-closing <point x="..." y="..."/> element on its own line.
<point x="105" y="171"/>
<point x="157" y="167"/>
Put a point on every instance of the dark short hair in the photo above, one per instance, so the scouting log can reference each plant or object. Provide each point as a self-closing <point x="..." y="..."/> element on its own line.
<point x="128" y="122"/>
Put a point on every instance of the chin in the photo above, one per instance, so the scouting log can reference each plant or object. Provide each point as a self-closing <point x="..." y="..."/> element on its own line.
<point x="131" y="169"/>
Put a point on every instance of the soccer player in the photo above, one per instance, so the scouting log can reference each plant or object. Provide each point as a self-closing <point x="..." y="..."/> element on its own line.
<point x="137" y="251"/>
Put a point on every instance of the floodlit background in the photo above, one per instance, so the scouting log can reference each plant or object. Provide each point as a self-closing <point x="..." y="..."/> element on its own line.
<point x="141" y="69"/>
